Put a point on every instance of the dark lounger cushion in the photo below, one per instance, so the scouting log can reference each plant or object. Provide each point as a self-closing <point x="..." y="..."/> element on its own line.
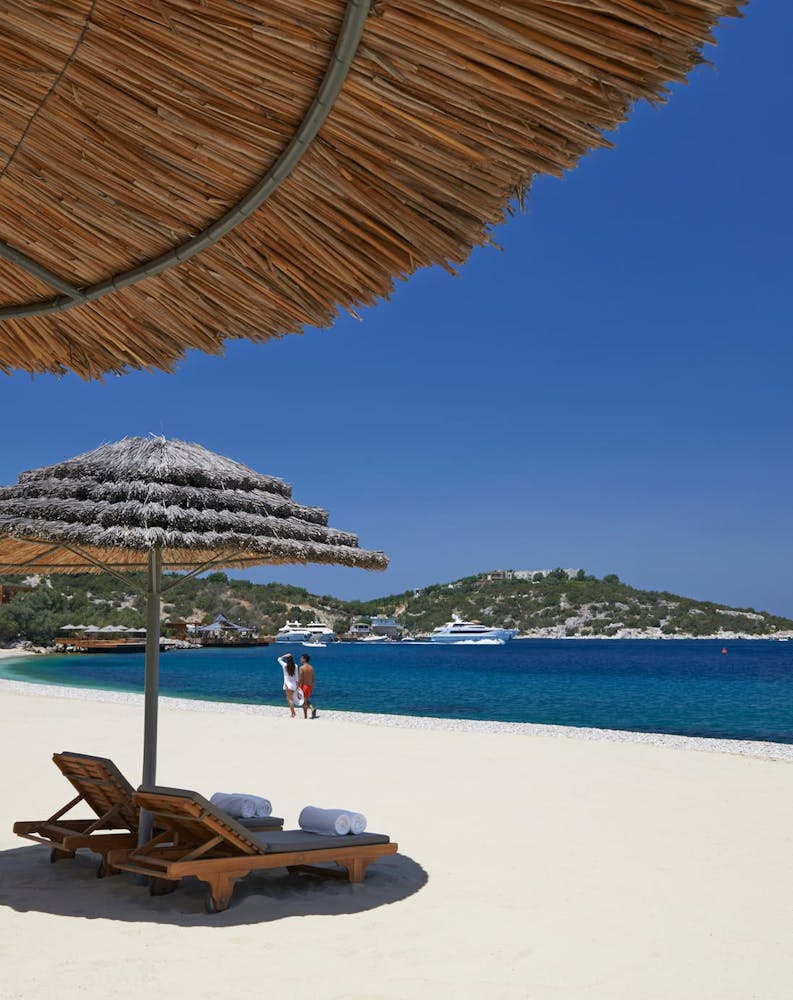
<point x="286" y="841"/>
<point x="257" y="823"/>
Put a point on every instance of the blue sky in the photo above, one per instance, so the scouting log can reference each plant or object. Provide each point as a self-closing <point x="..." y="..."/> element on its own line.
<point x="610" y="390"/>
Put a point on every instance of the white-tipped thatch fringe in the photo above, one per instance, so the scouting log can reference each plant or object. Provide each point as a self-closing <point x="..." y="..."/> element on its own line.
<point x="118" y="502"/>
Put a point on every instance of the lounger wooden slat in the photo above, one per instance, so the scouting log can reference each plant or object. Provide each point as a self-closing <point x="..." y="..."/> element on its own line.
<point x="75" y="826"/>
<point x="202" y="841"/>
<point x="57" y="830"/>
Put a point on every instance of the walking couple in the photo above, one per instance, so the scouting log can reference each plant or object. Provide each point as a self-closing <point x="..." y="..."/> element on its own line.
<point x="301" y="680"/>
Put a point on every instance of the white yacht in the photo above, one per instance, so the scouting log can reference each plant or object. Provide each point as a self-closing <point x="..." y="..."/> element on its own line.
<point x="293" y="632"/>
<point x="320" y="632"/>
<point x="459" y="631"/>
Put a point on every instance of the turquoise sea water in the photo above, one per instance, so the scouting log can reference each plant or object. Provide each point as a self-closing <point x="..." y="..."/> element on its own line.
<point x="686" y="687"/>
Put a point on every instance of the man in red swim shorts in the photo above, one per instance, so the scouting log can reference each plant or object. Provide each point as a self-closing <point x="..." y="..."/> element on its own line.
<point x="305" y="680"/>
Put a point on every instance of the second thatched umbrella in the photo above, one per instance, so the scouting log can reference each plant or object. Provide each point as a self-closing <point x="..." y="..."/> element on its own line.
<point x="152" y="504"/>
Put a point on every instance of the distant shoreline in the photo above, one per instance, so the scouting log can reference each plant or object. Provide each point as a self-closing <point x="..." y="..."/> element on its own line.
<point x="15" y="652"/>
<point x="730" y="637"/>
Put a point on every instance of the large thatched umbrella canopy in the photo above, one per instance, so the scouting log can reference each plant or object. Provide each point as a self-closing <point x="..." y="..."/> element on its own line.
<point x="173" y="174"/>
<point x="149" y="503"/>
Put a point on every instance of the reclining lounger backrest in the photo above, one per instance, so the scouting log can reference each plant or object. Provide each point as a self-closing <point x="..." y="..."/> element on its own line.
<point x="195" y="819"/>
<point x="102" y="786"/>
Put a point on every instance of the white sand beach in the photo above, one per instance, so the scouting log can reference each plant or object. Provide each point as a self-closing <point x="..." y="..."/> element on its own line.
<point x="530" y="865"/>
<point x="15" y="653"/>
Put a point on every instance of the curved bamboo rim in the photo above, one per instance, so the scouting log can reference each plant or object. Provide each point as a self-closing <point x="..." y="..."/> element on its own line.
<point x="328" y="91"/>
<point x="170" y="113"/>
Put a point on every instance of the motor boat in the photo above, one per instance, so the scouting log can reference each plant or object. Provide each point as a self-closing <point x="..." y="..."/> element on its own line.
<point x="293" y="632"/>
<point x="458" y="630"/>
<point x="321" y="632"/>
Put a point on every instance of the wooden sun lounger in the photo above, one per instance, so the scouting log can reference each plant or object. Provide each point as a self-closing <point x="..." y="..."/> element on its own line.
<point x="198" y="839"/>
<point x="101" y="785"/>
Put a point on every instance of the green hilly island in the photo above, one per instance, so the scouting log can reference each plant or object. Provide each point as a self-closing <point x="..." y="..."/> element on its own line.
<point x="555" y="604"/>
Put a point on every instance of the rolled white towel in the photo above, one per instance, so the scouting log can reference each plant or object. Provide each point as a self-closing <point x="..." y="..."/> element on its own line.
<point x="357" y="822"/>
<point x="330" y="822"/>
<point x="263" y="806"/>
<point x="241" y="806"/>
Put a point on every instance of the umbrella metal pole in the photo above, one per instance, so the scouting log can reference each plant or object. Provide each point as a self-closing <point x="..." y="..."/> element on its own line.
<point x="151" y="684"/>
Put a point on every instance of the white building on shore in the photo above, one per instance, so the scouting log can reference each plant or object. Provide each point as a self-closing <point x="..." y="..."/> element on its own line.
<point x="527" y="574"/>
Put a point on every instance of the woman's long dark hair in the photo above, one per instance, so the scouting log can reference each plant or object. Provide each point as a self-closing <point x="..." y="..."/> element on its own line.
<point x="291" y="666"/>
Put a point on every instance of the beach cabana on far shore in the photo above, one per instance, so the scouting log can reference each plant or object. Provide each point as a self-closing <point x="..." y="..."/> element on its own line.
<point x="175" y="175"/>
<point x="108" y="639"/>
<point x="222" y="632"/>
<point x="149" y="504"/>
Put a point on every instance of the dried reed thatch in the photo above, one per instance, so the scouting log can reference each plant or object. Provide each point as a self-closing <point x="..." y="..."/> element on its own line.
<point x="111" y="506"/>
<point x="311" y="152"/>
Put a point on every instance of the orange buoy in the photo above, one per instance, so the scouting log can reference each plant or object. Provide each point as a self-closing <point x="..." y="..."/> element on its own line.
<point x="724" y="649"/>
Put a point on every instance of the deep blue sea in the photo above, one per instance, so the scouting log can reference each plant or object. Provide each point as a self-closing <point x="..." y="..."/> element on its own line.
<point x="674" y="686"/>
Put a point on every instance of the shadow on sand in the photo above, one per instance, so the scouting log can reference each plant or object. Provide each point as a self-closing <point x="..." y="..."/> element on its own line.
<point x="29" y="883"/>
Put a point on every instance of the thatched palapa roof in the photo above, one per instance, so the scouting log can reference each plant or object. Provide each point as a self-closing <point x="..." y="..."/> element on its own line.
<point x="111" y="506"/>
<point x="174" y="174"/>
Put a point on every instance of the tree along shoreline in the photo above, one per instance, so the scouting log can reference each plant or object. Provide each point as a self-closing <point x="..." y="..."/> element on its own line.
<point x="552" y="605"/>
